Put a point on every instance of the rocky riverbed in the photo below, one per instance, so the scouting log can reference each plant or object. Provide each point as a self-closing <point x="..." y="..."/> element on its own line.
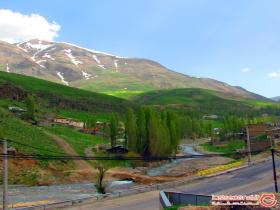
<point x="118" y="181"/>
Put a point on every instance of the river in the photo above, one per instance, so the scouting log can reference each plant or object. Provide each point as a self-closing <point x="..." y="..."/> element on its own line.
<point x="186" y="149"/>
<point x="81" y="190"/>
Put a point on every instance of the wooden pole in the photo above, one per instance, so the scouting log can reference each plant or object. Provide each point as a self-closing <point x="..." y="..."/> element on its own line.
<point x="5" y="176"/>
<point x="274" y="171"/>
<point x="248" y="145"/>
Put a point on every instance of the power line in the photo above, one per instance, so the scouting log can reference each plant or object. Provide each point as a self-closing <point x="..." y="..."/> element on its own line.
<point x="37" y="148"/>
<point x="117" y="157"/>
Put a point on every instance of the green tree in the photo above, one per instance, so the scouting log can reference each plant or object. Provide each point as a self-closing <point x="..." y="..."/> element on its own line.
<point x="30" y="107"/>
<point x="153" y="134"/>
<point x="142" y="141"/>
<point x="90" y="123"/>
<point x="102" y="166"/>
<point x="114" y="122"/>
<point x="131" y="130"/>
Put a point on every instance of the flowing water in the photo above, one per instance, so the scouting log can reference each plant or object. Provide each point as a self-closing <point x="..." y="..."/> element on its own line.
<point x="60" y="192"/>
<point x="81" y="190"/>
<point x="186" y="149"/>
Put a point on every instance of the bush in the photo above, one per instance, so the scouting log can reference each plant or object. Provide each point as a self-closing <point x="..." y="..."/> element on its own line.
<point x="219" y="168"/>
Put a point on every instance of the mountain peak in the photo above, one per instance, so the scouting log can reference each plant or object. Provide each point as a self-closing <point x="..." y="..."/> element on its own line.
<point x="72" y="65"/>
<point x="276" y="98"/>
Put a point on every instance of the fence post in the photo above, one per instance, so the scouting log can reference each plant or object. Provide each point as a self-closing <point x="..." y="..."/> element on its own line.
<point x="274" y="171"/>
<point x="5" y="176"/>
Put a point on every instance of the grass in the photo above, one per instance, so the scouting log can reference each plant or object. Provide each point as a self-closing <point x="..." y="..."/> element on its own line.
<point x="260" y="103"/>
<point x="206" y="102"/>
<point x="116" y="84"/>
<point x="174" y="207"/>
<point x="220" y="168"/>
<point x="62" y="96"/>
<point x="20" y="131"/>
<point x="80" y="141"/>
<point x="83" y="116"/>
<point x="124" y="93"/>
<point x="227" y="149"/>
<point x="77" y="140"/>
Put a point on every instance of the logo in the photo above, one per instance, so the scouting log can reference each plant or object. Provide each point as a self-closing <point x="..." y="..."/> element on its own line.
<point x="268" y="200"/>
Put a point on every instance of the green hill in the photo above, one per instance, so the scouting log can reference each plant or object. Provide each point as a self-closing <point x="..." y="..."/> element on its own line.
<point x="52" y="99"/>
<point x="206" y="102"/>
<point x="53" y="95"/>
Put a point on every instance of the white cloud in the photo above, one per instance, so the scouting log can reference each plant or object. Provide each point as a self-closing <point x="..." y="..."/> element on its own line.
<point x="274" y="74"/>
<point x="245" y="70"/>
<point x="17" y="27"/>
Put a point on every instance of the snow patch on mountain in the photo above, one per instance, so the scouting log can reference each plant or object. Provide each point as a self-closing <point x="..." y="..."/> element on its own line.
<point x="102" y="66"/>
<point x="68" y="52"/>
<point x="51" y="49"/>
<point x="46" y="55"/>
<point x="93" y="51"/>
<point x="86" y="75"/>
<point x="116" y="65"/>
<point x="60" y="75"/>
<point x="40" y="46"/>
<point x="7" y="68"/>
<point x="41" y="61"/>
<point x="96" y="59"/>
<point x="18" y="45"/>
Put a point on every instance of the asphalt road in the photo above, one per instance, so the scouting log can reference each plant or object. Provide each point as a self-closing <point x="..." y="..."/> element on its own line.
<point x="256" y="178"/>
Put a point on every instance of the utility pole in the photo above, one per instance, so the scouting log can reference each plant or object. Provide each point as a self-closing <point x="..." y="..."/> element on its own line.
<point x="274" y="171"/>
<point x="248" y="145"/>
<point x="5" y="176"/>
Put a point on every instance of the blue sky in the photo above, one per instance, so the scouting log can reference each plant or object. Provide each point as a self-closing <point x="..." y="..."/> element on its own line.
<point x="233" y="41"/>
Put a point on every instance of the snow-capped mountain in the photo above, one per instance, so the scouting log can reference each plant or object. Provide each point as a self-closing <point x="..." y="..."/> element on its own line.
<point x="99" y="71"/>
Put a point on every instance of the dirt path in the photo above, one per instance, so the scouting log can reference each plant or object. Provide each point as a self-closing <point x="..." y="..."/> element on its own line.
<point x="80" y="164"/>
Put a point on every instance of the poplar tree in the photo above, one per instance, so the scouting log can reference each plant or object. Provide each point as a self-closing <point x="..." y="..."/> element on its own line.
<point x="30" y="107"/>
<point x="142" y="140"/>
<point x="131" y="130"/>
<point x="113" y="129"/>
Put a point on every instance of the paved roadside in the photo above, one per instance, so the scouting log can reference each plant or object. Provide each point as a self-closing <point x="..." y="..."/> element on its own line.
<point x="247" y="180"/>
<point x="149" y="201"/>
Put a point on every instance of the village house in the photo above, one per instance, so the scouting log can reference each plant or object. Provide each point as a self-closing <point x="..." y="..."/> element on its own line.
<point x="117" y="150"/>
<point x="273" y="133"/>
<point x="211" y="117"/>
<point x="16" y="109"/>
<point x="69" y="122"/>
<point x="262" y="136"/>
<point x="258" y="129"/>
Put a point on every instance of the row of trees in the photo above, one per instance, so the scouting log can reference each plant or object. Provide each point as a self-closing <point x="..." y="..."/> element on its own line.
<point x="151" y="132"/>
<point x="196" y="128"/>
<point x="148" y="132"/>
<point x="155" y="133"/>
<point x="233" y="125"/>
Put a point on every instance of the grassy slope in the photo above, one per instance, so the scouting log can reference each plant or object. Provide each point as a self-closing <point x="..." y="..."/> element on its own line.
<point x="14" y="128"/>
<point x="228" y="149"/>
<point x="206" y="101"/>
<point x="54" y="93"/>
<point x="20" y="131"/>
<point x="119" y="85"/>
<point x="77" y="140"/>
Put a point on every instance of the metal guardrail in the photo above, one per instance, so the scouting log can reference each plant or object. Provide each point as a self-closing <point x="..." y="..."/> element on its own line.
<point x="63" y="203"/>
<point x="135" y="190"/>
<point x="121" y="193"/>
<point x="168" y="199"/>
<point x="164" y="201"/>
